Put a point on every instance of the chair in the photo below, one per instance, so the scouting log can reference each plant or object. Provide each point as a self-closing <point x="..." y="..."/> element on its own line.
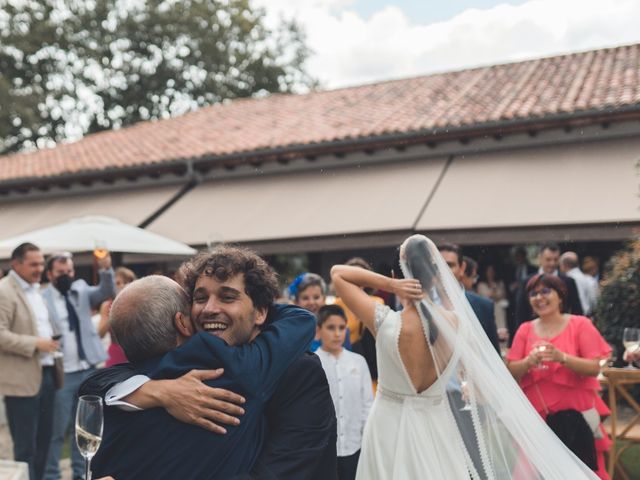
<point x="619" y="380"/>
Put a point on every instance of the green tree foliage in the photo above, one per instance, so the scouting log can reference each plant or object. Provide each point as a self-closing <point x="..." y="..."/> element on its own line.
<point x="619" y="303"/>
<point x="72" y="66"/>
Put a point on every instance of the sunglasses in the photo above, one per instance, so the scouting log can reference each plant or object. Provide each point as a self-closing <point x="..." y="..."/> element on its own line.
<point x="543" y="291"/>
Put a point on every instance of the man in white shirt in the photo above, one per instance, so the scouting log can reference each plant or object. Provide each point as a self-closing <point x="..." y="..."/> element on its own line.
<point x="70" y="302"/>
<point x="587" y="289"/>
<point x="27" y="372"/>
<point x="350" y="386"/>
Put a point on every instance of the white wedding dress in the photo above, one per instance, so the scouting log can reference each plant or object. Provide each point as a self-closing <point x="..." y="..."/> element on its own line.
<point x="409" y="435"/>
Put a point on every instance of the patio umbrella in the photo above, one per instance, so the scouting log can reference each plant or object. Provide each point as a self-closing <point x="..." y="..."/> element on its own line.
<point x="84" y="234"/>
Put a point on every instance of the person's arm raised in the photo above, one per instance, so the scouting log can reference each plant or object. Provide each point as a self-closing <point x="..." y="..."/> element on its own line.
<point x="349" y="282"/>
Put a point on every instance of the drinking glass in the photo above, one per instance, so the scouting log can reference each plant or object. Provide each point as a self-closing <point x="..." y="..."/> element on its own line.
<point x="100" y="249"/>
<point x="57" y="353"/>
<point x="631" y="342"/>
<point x="89" y="424"/>
<point x="462" y="376"/>
<point x="541" y="365"/>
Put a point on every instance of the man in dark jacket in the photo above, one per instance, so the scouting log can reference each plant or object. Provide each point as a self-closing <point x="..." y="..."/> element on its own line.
<point x="300" y="440"/>
<point x="548" y="261"/>
<point x="482" y="307"/>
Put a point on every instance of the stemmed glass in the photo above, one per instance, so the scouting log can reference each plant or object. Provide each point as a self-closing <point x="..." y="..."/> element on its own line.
<point x="631" y="342"/>
<point x="464" y="382"/>
<point x="541" y="365"/>
<point x="89" y="424"/>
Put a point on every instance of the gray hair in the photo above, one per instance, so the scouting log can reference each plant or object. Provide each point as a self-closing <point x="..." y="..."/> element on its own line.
<point x="142" y="317"/>
<point x="311" y="280"/>
<point x="569" y="260"/>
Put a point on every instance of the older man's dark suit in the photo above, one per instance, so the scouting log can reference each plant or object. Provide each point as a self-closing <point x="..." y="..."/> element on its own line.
<point x="300" y="439"/>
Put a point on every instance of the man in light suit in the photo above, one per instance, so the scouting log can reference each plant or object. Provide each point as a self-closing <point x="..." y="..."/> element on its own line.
<point x="70" y="302"/>
<point x="27" y="367"/>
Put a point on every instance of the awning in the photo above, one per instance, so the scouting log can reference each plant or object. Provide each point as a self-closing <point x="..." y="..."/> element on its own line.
<point x="339" y="201"/>
<point x="588" y="184"/>
<point x="129" y="206"/>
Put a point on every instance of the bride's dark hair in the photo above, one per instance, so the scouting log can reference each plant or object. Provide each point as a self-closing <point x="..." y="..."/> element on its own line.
<point x="422" y="267"/>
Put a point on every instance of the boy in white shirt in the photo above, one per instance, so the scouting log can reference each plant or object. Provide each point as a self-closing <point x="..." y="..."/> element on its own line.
<point x="350" y="386"/>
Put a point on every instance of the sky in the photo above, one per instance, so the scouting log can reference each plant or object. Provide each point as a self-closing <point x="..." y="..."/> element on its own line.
<point x="364" y="41"/>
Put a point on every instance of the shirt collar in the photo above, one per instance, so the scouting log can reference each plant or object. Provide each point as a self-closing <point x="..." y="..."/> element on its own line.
<point x="324" y="353"/>
<point x="23" y="283"/>
<point x="555" y="272"/>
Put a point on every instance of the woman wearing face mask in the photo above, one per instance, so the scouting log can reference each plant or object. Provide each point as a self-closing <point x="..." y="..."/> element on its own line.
<point x="124" y="277"/>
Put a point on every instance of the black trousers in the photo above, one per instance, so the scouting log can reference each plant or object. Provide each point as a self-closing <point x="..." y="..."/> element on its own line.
<point x="347" y="466"/>
<point x="30" y="422"/>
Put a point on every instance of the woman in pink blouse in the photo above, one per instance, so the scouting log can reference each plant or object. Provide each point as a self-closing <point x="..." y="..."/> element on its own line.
<point x="116" y="355"/>
<point x="555" y="358"/>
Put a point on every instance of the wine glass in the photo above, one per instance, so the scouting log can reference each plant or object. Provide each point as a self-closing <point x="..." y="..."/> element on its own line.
<point x="464" y="382"/>
<point x="541" y="365"/>
<point x="89" y="423"/>
<point x="631" y="342"/>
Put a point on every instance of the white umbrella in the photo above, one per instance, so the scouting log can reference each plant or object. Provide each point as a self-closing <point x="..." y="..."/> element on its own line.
<point x="84" y="234"/>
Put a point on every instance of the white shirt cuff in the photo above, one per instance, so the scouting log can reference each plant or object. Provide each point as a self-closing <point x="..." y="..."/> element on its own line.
<point x="114" y="396"/>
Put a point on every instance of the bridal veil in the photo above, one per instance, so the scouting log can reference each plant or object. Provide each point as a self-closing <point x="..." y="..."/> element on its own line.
<point x="502" y="436"/>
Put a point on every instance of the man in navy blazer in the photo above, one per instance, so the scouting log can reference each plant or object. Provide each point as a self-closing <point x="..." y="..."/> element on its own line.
<point x="153" y="444"/>
<point x="482" y="307"/>
<point x="70" y="302"/>
<point x="300" y="440"/>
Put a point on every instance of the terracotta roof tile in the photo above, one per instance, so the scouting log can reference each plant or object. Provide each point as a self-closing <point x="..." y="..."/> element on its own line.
<point x="596" y="80"/>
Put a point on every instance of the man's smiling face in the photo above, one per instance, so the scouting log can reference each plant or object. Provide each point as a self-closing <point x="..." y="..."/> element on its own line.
<point x="223" y="308"/>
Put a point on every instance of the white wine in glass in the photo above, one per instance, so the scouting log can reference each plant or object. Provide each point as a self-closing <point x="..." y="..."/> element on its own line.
<point x="631" y="342"/>
<point x="89" y="424"/>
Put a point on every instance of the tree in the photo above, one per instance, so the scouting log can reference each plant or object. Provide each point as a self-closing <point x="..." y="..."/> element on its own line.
<point x="619" y="303"/>
<point x="68" y="67"/>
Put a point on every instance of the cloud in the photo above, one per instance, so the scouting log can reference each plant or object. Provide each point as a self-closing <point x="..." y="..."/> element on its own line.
<point x="350" y="50"/>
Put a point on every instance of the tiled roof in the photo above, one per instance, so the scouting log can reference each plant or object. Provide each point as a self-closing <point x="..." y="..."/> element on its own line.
<point x="602" y="80"/>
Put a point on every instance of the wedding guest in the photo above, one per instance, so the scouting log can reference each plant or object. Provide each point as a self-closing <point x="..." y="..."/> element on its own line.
<point x="311" y="294"/>
<point x="482" y="307"/>
<point x="555" y="358"/>
<point x="470" y="274"/>
<point x="70" y="302"/>
<point x="548" y="259"/>
<point x="28" y="372"/>
<point x="587" y="289"/>
<point x="350" y="386"/>
<point x="494" y="289"/>
<point x="116" y="355"/>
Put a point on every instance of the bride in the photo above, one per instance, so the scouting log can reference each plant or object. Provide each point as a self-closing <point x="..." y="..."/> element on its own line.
<point x="446" y="406"/>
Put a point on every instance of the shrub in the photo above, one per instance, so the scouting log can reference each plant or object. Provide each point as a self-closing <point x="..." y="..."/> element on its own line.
<point x="619" y="303"/>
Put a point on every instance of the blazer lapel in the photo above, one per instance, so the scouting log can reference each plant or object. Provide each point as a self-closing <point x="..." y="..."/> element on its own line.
<point x="47" y="295"/>
<point x="23" y="298"/>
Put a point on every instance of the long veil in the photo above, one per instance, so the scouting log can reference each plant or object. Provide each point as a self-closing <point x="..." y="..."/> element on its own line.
<point x="503" y="437"/>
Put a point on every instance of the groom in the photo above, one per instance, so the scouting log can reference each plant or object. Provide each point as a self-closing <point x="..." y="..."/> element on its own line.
<point x="300" y="441"/>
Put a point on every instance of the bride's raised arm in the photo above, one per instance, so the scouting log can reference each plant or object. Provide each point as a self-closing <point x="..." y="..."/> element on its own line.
<point x="349" y="282"/>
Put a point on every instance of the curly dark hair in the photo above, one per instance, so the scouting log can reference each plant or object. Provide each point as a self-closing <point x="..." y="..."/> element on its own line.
<point x="224" y="262"/>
